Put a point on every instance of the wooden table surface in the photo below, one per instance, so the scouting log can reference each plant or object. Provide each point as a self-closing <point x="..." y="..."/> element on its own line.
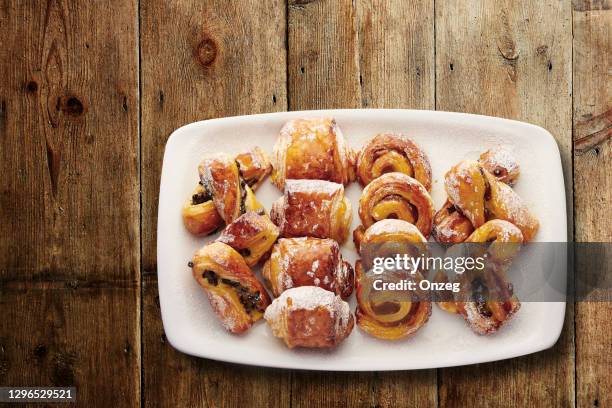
<point x="90" y="91"/>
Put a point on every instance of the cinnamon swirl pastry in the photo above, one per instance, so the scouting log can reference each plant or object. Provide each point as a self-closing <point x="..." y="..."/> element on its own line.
<point x="200" y="216"/>
<point x="387" y="153"/>
<point x="252" y="235"/>
<point x="396" y="195"/>
<point x="232" y="196"/>
<point x="391" y="315"/>
<point x="312" y="149"/>
<point x="312" y="208"/>
<point x="254" y="166"/>
<point x="308" y="262"/>
<point x="236" y="296"/>
<point x="310" y="317"/>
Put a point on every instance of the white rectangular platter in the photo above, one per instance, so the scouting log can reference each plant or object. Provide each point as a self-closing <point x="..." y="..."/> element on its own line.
<point x="446" y="138"/>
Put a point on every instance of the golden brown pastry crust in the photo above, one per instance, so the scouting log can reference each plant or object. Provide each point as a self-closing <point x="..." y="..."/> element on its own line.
<point x="396" y="195"/>
<point x="254" y="166"/>
<point x="252" y="235"/>
<point x="312" y="149"/>
<point x="312" y="208"/>
<point x="387" y="153"/>
<point x="236" y="296"/>
<point x="502" y="164"/>
<point x="311" y="317"/>
<point x="200" y="216"/>
<point x="308" y="261"/>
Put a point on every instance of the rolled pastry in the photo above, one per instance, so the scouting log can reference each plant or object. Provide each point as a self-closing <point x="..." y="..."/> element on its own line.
<point x="387" y="153"/>
<point x="254" y="166"/>
<point x="312" y="208"/>
<point x="200" y="216"/>
<point x="298" y="262"/>
<point x="310" y="317"/>
<point x="236" y="296"/>
<point x="252" y="235"/>
<point x="312" y="149"/>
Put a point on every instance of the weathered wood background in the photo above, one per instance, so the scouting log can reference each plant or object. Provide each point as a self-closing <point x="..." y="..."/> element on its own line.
<point x="90" y="91"/>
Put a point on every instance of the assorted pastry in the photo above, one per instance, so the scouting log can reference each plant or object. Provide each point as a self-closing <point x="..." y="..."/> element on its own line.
<point x="299" y="243"/>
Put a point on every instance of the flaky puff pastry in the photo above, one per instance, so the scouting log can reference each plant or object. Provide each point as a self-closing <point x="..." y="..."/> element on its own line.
<point x="200" y="216"/>
<point x="396" y="196"/>
<point x="252" y="235"/>
<point x="384" y="314"/>
<point x="308" y="261"/>
<point x="480" y="197"/>
<point x="312" y="149"/>
<point x="313" y="208"/>
<point x="387" y="153"/>
<point x="311" y="317"/>
<point x="494" y="302"/>
<point x="254" y="166"/>
<point x="236" y="296"/>
<point x="232" y="196"/>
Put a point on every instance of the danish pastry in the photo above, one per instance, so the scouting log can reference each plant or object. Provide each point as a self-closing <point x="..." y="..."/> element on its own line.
<point x="236" y="296"/>
<point x="252" y="235"/>
<point x="254" y="166"/>
<point x="309" y="261"/>
<point x="391" y="315"/>
<point x="312" y="208"/>
<point x="199" y="213"/>
<point x="310" y="317"/>
<point x="502" y="164"/>
<point x="396" y="195"/>
<point x="231" y="195"/>
<point x="387" y="153"/>
<point x="312" y="149"/>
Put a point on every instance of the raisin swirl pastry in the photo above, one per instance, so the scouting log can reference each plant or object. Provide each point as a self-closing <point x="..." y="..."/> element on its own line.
<point x="396" y="196"/>
<point x="252" y="235"/>
<point x="310" y="317"/>
<point x="308" y="261"/>
<point x="491" y="299"/>
<point x="199" y="213"/>
<point x="312" y="149"/>
<point x="232" y="196"/>
<point x="236" y="296"/>
<point x="387" y="153"/>
<point x="383" y="314"/>
<point x="312" y="208"/>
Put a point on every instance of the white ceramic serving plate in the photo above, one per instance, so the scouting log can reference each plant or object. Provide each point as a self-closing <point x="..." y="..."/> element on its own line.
<point x="445" y="340"/>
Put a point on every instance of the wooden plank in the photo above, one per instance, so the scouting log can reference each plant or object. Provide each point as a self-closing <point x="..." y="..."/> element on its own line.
<point x="370" y="54"/>
<point x="69" y="257"/>
<point x="593" y="186"/>
<point x="511" y="59"/>
<point x="225" y="58"/>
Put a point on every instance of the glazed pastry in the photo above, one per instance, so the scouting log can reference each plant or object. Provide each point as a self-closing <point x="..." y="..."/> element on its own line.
<point x="396" y="195"/>
<point x="388" y="314"/>
<point x="502" y="164"/>
<point x="387" y="153"/>
<point x="200" y="216"/>
<point x="254" y="166"/>
<point x="493" y="302"/>
<point x="312" y="208"/>
<point x="236" y="296"/>
<point x="230" y="193"/>
<point x="312" y="149"/>
<point x="310" y="317"/>
<point x="252" y="235"/>
<point x="308" y="262"/>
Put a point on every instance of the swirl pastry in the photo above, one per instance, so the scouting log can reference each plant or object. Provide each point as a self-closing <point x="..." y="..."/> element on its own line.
<point x="310" y="317"/>
<point x="396" y="195"/>
<point x="312" y="208"/>
<point x="298" y="262"/>
<point x="252" y="235"/>
<point x="385" y="314"/>
<point x="312" y="149"/>
<point x="231" y="195"/>
<point x="200" y="216"/>
<point x="236" y="296"/>
<point x="254" y="167"/>
<point x="502" y="164"/>
<point x="387" y="153"/>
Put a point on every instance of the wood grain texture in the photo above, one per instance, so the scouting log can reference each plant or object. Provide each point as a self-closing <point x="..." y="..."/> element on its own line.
<point x="69" y="253"/>
<point x="592" y="189"/>
<point x="511" y="59"/>
<point x="361" y="54"/>
<point x="219" y="59"/>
